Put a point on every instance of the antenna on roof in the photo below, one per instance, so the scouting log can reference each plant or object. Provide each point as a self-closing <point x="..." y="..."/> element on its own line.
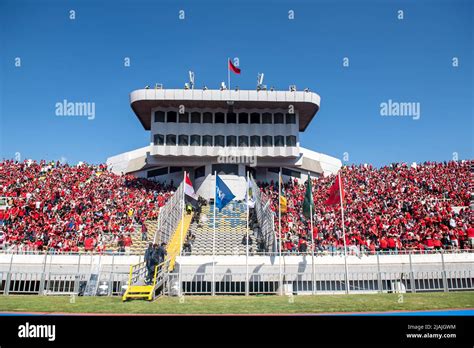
<point x="191" y="79"/>
<point x="260" y="84"/>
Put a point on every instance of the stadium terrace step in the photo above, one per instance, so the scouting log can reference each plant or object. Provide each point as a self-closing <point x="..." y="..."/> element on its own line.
<point x="231" y="227"/>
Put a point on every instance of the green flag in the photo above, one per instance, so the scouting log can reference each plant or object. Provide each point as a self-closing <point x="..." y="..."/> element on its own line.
<point x="308" y="199"/>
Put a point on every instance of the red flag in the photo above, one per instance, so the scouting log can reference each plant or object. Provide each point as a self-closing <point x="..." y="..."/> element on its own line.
<point x="233" y="67"/>
<point x="334" y="195"/>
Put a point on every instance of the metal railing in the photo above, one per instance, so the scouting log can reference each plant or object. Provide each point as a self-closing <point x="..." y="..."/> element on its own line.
<point x="169" y="216"/>
<point x="265" y="216"/>
<point x="324" y="283"/>
<point x="338" y="253"/>
<point x="254" y="253"/>
<point x="31" y="283"/>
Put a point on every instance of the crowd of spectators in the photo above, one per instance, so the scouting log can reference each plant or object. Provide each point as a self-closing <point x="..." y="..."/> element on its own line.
<point x="62" y="208"/>
<point x="395" y="208"/>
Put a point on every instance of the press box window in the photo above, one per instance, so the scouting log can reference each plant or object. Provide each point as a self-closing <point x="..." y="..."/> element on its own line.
<point x="195" y="117"/>
<point x="219" y="140"/>
<point x="176" y="169"/>
<point x="290" y="140"/>
<point x="267" y="140"/>
<point x="231" y="117"/>
<point x="224" y="168"/>
<point x="184" y="118"/>
<point x="195" y="140"/>
<point x="199" y="172"/>
<point x="171" y="139"/>
<point x="267" y="118"/>
<point x="278" y="118"/>
<point x="292" y="173"/>
<point x="290" y="119"/>
<point x="255" y="118"/>
<point x="157" y="172"/>
<point x="207" y="117"/>
<point x="159" y="116"/>
<point x="159" y="139"/>
<point x="183" y="140"/>
<point x="243" y="141"/>
<point x="255" y="141"/>
<point x="243" y="117"/>
<point x="231" y="140"/>
<point x="207" y="140"/>
<point x="279" y="140"/>
<point x="171" y="116"/>
<point x="219" y="117"/>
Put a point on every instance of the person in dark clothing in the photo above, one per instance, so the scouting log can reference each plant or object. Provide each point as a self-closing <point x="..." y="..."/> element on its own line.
<point x="148" y="253"/>
<point x="244" y="240"/>
<point x="152" y="262"/>
<point x="161" y="253"/>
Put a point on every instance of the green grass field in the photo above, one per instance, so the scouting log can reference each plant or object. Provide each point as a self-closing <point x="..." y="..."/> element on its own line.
<point x="240" y="304"/>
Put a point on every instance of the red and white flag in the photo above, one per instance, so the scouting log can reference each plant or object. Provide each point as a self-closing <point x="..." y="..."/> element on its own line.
<point x="190" y="196"/>
<point x="233" y="68"/>
<point x="335" y="193"/>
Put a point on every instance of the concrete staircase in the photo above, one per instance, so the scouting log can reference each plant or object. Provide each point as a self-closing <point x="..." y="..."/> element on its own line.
<point x="139" y="246"/>
<point x="230" y="230"/>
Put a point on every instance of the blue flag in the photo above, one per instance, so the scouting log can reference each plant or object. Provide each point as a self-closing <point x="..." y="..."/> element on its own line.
<point x="223" y="194"/>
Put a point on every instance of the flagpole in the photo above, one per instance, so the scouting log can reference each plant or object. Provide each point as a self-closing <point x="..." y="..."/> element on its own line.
<point x="279" y="232"/>
<point x="312" y="237"/>
<point x="214" y="239"/>
<point x="228" y="73"/>
<point x="343" y="234"/>
<point x="182" y="230"/>
<point x="247" y="241"/>
<point x="182" y="217"/>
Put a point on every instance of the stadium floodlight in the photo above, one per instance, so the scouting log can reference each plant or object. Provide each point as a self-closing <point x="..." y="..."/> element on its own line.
<point x="292" y="88"/>
<point x="191" y="79"/>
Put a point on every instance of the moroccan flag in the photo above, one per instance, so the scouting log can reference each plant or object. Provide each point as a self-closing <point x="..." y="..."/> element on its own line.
<point x="334" y="195"/>
<point x="233" y="67"/>
<point x="308" y="200"/>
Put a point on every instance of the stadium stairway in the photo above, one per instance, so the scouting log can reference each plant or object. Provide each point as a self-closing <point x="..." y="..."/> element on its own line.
<point x="231" y="225"/>
<point x="138" y="245"/>
<point x="137" y="287"/>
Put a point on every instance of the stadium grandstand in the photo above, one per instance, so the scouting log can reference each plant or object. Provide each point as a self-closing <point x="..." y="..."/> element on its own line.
<point x="407" y="227"/>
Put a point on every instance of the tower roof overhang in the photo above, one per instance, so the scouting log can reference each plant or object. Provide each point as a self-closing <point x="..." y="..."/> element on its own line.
<point x="143" y="101"/>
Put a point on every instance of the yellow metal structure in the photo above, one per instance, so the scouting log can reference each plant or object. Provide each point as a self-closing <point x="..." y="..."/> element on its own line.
<point x="177" y="240"/>
<point x="136" y="281"/>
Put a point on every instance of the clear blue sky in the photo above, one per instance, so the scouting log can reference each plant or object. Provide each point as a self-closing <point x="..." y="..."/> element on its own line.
<point x="81" y="60"/>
